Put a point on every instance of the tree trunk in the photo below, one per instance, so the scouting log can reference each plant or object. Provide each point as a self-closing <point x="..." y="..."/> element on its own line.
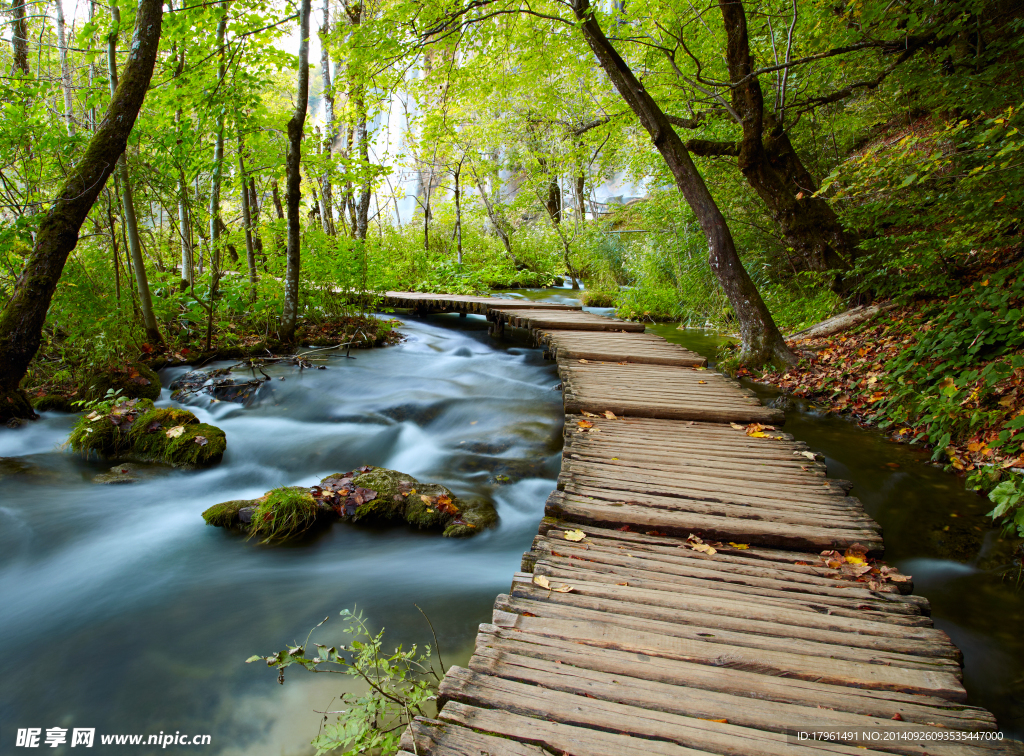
<point x="774" y="170"/>
<point x="216" y="178"/>
<point x="326" y="195"/>
<point x="19" y="38"/>
<point x="250" y="248"/>
<point x="21" y="322"/>
<point x="554" y="201"/>
<point x="254" y="211"/>
<point x="365" y="191"/>
<point x="293" y="164"/>
<point x="458" y="212"/>
<point x="761" y="340"/>
<point x="131" y="224"/>
<point x="65" y="69"/>
<point x="187" y="272"/>
<point x="276" y="192"/>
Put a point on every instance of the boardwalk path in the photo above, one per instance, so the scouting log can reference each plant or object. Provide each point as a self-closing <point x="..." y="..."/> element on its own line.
<point x="634" y="638"/>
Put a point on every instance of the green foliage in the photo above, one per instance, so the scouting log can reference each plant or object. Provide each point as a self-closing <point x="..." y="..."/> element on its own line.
<point x="399" y="686"/>
<point x="959" y="354"/>
<point x="1008" y="497"/>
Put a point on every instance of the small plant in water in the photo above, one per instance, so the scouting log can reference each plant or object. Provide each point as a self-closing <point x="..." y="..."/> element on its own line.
<point x="402" y="685"/>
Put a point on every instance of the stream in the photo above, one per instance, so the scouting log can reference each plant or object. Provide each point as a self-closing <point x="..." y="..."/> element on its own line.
<point x="123" y="611"/>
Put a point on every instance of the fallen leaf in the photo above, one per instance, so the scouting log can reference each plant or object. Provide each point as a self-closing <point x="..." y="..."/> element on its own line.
<point x="585" y="362"/>
<point x="574" y="535"/>
<point x="757" y="434"/>
<point x="176" y="431"/>
<point x="541" y="581"/>
<point x="201" y="440"/>
<point x="737" y="426"/>
<point x="856" y="554"/>
<point x="588" y="414"/>
<point x="897" y="717"/>
<point x="624" y="529"/>
<point x="585" y="424"/>
<point x="701" y="381"/>
<point x="722" y="721"/>
<point x="809" y="455"/>
<point x="623" y="584"/>
<point x="610" y="415"/>
<point x="428" y="500"/>
<point x="704" y="548"/>
<point x="739" y="545"/>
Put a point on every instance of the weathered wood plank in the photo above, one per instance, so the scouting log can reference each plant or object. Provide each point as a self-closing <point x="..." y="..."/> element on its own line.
<point x="884" y="704"/>
<point x="432" y="737"/>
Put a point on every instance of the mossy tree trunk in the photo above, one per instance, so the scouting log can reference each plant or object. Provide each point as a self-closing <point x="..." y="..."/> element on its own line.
<point x="762" y="343"/>
<point x="293" y="165"/>
<point x="21" y="322"/>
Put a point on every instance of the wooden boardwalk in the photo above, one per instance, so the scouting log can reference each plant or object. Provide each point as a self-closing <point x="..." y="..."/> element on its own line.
<point x="676" y="600"/>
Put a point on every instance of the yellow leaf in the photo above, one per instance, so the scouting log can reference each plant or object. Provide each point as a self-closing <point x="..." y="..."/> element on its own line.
<point x="855" y="559"/>
<point x="574" y="535"/>
<point x="176" y="431"/>
<point x="704" y="548"/>
<point x="701" y="381"/>
<point x="739" y="545"/>
<point x="541" y="581"/>
<point x="758" y="434"/>
<point x="737" y="426"/>
<point x="589" y="414"/>
<point x="609" y="414"/>
<point x="585" y="424"/>
<point x="585" y="362"/>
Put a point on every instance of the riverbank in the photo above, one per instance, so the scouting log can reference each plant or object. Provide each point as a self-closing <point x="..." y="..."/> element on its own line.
<point x="945" y="373"/>
<point x="59" y="376"/>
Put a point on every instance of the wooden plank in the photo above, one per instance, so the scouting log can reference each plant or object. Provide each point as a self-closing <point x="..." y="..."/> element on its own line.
<point x="920" y="709"/>
<point x="939" y="682"/>
<point x="750" y="414"/>
<point x="880" y="607"/>
<point x="814" y="653"/>
<point x="806" y="537"/>
<point x="432" y="737"/>
<point x="563" y="739"/>
<point x="705" y="620"/>
<point x="789" y="616"/>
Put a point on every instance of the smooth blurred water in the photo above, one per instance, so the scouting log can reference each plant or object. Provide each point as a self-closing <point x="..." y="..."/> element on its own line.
<point x="121" y="610"/>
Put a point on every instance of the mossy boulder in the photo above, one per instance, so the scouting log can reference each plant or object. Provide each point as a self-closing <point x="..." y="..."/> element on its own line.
<point x="372" y="495"/>
<point x="138" y="431"/>
<point x="134" y="381"/>
<point x="54" y="403"/>
<point x="398" y="496"/>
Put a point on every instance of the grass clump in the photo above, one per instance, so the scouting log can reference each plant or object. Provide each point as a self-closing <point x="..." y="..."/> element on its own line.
<point x="283" y="513"/>
<point x="595" y="298"/>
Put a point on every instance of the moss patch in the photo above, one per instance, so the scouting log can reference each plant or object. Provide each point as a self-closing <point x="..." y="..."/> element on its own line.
<point x="136" y="430"/>
<point x="135" y="381"/>
<point x="225" y="515"/>
<point x="593" y="298"/>
<point x="54" y="403"/>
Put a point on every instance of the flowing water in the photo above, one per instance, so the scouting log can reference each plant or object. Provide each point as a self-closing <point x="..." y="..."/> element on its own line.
<point x="121" y="610"/>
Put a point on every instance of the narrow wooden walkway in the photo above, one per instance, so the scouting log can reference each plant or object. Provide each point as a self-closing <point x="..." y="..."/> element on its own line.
<point x="676" y="600"/>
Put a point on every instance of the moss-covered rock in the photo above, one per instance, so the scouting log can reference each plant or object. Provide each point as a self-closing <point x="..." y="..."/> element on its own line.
<point x="371" y="495"/>
<point x="425" y="506"/>
<point x="225" y="515"/>
<point x="135" y="381"/>
<point x="136" y="430"/>
<point x="54" y="403"/>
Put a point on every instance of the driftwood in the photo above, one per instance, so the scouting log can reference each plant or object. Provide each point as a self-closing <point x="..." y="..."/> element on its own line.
<point x="841" y="322"/>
